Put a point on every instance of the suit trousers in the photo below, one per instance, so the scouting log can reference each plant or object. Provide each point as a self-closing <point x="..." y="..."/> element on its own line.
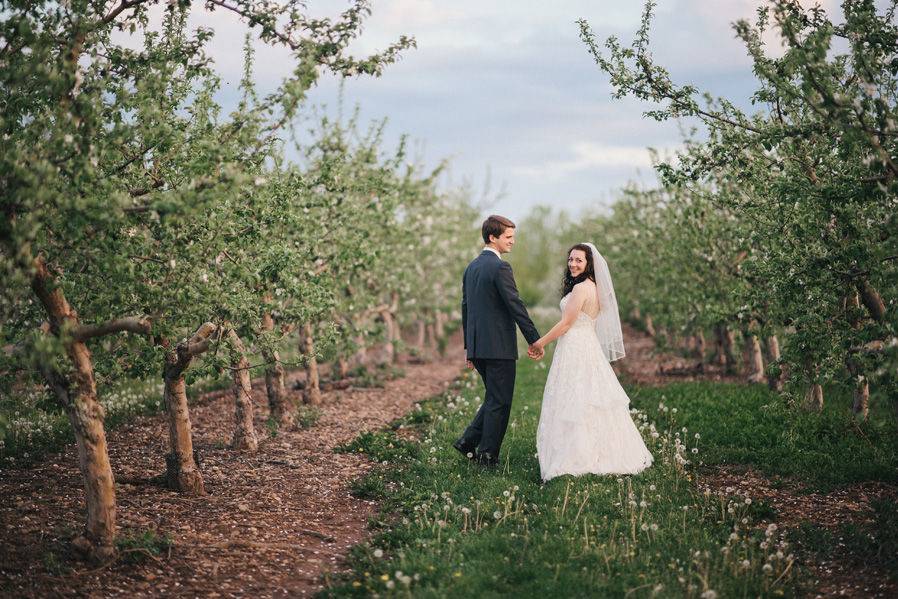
<point x="488" y="428"/>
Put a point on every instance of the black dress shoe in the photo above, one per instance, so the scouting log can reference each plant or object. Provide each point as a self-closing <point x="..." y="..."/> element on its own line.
<point x="487" y="460"/>
<point x="465" y="449"/>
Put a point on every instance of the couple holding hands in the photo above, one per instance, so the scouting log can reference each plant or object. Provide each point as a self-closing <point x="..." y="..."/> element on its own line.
<point x="585" y="425"/>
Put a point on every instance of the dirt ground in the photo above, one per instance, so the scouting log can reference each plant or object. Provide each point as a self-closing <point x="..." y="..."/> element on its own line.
<point x="274" y="521"/>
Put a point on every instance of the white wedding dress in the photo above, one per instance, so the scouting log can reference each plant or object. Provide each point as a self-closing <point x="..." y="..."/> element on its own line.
<point x="584" y="424"/>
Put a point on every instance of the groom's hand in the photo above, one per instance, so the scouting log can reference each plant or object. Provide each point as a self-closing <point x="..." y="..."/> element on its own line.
<point x="535" y="352"/>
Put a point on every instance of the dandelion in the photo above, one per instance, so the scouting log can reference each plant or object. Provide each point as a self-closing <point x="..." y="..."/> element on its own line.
<point x="506" y="493"/>
<point x="748" y="501"/>
<point x="767" y="568"/>
<point x="497" y="514"/>
<point x="746" y="563"/>
<point x="378" y="553"/>
<point x="709" y="594"/>
<point x="644" y="526"/>
<point x="390" y="584"/>
<point x="654" y="527"/>
<point x="652" y="487"/>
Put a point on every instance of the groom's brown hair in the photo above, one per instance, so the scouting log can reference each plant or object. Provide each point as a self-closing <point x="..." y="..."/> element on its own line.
<point x="495" y="225"/>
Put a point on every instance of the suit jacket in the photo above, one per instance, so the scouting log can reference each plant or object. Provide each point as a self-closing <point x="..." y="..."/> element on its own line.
<point x="490" y="307"/>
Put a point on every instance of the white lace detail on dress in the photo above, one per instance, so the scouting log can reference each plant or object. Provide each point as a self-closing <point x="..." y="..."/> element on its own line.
<point x="585" y="424"/>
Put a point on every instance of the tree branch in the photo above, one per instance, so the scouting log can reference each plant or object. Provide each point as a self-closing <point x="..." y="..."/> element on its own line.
<point x="198" y="343"/>
<point x="140" y="325"/>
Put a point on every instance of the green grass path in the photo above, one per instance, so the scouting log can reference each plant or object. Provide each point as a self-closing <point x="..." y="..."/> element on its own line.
<point x="449" y="529"/>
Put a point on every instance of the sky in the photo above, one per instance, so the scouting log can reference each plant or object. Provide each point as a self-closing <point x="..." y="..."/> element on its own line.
<point x="508" y="93"/>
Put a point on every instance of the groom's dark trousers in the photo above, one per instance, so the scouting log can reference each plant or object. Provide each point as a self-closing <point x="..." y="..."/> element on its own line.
<point x="490" y="310"/>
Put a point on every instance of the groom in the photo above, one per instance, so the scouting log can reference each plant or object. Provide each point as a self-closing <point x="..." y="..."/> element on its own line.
<point x="490" y="307"/>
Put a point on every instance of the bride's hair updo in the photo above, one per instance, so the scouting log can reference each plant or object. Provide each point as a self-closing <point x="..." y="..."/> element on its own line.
<point x="568" y="282"/>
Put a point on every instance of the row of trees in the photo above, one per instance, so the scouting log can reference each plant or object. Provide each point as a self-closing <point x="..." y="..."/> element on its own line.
<point x="780" y="224"/>
<point x="145" y="232"/>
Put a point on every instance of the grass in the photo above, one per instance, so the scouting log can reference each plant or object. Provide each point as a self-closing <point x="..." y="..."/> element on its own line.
<point x="448" y="528"/>
<point x="747" y="424"/>
<point x="138" y="546"/>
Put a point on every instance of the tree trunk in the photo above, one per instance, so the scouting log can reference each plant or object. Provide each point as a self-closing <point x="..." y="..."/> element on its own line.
<point x="729" y="346"/>
<point x="774" y="380"/>
<point x="182" y="473"/>
<point x="389" y="332"/>
<point x="872" y="300"/>
<point x="725" y="344"/>
<point x="343" y="367"/>
<point x="312" y="391"/>
<point x="861" y="405"/>
<point x="757" y="360"/>
<point x="77" y="392"/>
<point x="421" y="335"/>
<point x="813" y="399"/>
<point x="361" y="353"/>
<point x="433" y="339"/>
<point x="700" y="345"/>
<point x="279" y="404"/>
<point x="440" y="324"/>
<point x="649" y="325"/>
<point x="244" y="431"/>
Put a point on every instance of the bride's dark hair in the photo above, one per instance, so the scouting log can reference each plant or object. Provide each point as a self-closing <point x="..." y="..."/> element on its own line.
<point x="568" y="281"/>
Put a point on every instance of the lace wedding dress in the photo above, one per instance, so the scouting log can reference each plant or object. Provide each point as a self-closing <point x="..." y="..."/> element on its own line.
<point x="584" y="424"/>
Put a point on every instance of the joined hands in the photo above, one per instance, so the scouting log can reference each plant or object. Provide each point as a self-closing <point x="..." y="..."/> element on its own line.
<point x="536" y="351"/>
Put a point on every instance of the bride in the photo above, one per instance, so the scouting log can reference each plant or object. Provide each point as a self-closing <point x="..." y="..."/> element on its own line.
<point x="585" y="425"/>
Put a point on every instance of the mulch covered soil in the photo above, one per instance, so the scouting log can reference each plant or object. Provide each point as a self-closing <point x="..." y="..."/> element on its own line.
<point x="841" y="574"/>
<point x="644" y="364"/>
<point x="273" y="524"/>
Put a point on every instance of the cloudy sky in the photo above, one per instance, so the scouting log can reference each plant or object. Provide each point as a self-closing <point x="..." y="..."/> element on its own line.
<point x="509" y="94"/>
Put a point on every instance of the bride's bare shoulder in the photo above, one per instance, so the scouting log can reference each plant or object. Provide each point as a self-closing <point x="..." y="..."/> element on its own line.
<point x="586" y="285"/>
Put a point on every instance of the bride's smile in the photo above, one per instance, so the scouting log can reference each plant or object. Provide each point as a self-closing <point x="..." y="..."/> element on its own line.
<point x="576" y="262"/>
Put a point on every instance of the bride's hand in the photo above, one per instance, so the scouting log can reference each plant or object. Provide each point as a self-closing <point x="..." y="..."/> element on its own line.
<point x="536" y="350"/>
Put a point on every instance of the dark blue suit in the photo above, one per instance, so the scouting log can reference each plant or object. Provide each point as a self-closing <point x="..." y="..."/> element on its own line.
<point x="490" y="308"/>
